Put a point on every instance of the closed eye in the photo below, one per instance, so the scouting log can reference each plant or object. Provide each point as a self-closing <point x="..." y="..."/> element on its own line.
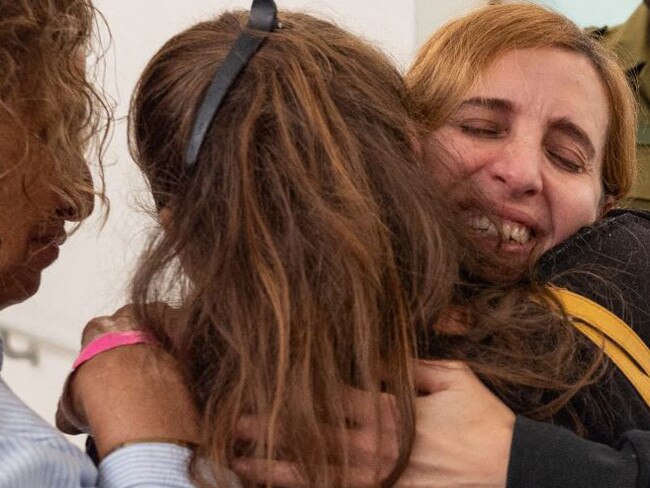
<point x="485" y="131"/>
<point x="570" y="165"/>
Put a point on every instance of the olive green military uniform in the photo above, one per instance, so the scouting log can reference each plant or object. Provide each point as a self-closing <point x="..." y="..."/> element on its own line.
<point x="631" y="42"/>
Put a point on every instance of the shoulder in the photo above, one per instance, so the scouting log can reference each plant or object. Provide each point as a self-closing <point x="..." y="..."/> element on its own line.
<point x="628" y="40"/>
<point x="608" y="262"/>
<point x="620" y="230"/>
<point x="621" y="240"/>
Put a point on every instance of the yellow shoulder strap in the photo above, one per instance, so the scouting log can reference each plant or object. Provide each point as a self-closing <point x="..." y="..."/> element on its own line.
<point x="617" y="339"/>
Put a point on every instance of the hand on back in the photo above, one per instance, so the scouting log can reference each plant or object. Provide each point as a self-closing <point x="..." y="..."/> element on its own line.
<point x="463" y="436"/>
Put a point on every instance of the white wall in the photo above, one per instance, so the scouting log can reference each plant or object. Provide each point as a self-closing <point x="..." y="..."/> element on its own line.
<point x="594" y="12"/>
<point x="431" y="14"/>
<point x="90" y="277"/>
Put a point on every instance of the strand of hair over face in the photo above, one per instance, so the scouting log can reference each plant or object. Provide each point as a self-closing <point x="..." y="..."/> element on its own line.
<point x="44" y="91"/>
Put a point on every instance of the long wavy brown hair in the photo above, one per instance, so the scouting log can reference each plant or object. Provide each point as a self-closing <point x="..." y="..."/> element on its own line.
<point x="44" y="91"/>
<point x="310" y="251"/>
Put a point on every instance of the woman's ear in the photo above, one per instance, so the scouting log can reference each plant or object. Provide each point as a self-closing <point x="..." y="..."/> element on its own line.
<point x="165" y="215"/>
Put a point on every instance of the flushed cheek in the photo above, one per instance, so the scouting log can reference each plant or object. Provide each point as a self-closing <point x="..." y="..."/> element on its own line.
<point x="452" y="162"/>
<point x="571" y="214"/>
<point x="14" y="248"/>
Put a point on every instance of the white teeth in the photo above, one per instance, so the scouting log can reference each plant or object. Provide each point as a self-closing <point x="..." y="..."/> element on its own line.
<point x="515" y="232"/>
<point x="508" y="231"/>
<point x="492" y="229"/>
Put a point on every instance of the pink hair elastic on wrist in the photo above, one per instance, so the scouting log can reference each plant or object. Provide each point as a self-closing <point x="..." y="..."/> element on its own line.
<point x="109" y="341"/>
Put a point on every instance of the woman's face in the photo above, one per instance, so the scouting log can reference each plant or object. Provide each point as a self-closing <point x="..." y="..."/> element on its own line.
<point x="530" y="137"/>
<point x="32" y="217"/>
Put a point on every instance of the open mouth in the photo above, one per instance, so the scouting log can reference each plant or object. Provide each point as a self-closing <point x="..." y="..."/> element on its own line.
<point x="507" y="230"/>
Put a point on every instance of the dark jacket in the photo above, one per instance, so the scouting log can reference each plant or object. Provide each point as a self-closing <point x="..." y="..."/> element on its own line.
<point x="610" y="264"/>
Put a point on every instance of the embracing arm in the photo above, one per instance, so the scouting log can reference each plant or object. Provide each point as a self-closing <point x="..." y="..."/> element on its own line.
<point x="546" y="455"/>
<point x="471" y="438"/>
<point x="33" y="454"/>
<point x="475" y="436"/>
<point x="134" y="401"/>
<point x="141" y="416"/>
<point x="477" y="430"/>
<point x="610" y="265"/>
<point x="466" y="436"/>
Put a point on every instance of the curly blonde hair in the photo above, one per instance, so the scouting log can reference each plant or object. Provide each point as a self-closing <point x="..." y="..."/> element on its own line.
<point x="44" y="92"/>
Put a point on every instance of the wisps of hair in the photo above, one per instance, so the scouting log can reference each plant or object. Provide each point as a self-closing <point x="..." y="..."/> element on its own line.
<point x="45" y="92"/>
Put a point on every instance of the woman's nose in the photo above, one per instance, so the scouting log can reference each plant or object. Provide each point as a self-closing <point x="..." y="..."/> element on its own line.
<point x="518" y="171"/>
<point x="79" y="198"/>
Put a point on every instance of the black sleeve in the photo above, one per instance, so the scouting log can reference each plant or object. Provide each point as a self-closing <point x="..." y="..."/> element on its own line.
<point x="544" y="455"/>
<point x="609" y="263"/>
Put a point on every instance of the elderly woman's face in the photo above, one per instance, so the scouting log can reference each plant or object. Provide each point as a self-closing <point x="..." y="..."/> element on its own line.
<point x="530" y="137"/>
<point x="31" y="217"/>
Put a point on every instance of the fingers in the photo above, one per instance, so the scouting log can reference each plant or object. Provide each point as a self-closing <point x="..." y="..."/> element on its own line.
<point x="92" y="330"/>
<point x="287" y="474"/>
<point x="127" y="310"/>
<point x="67" y="420"/>
<point x="366" y="446"/>
<point x="372" y="447"/>
<point x="261" y="471"/>
<point x="122" y="321"/>
<point x="361" y="409"/>
<point x="252" y="428"/>
<point x="125" y="319"/>
<point x="155" y="309"/>
<point x="434" y="376"/>
<point x="453" y="321"/>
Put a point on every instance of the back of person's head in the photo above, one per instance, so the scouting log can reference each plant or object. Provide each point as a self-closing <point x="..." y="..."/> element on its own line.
<point x="302" y="240"/>
<point x="458" y="53"/>
<point x="44" y="92"/>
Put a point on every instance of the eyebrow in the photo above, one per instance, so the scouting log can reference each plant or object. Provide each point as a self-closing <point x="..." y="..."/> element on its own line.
<point x="498" y="104"/>
<point x="564" y="124"/>
<point x="576" y="133"/>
